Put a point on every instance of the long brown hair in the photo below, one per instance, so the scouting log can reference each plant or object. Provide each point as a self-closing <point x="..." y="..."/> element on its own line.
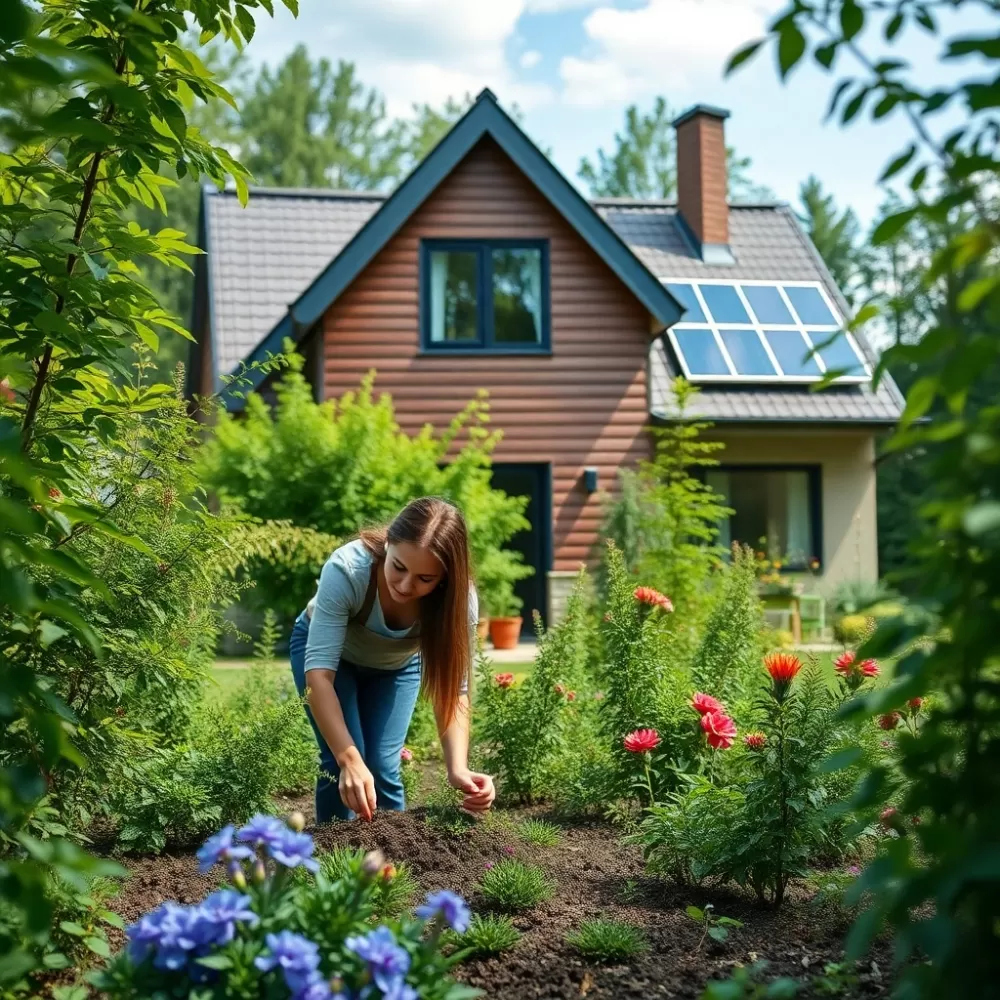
<point x="445" y="649"/>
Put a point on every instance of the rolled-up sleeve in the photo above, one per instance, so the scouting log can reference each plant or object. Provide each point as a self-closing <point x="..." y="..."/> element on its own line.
<point x="336" y="600"/>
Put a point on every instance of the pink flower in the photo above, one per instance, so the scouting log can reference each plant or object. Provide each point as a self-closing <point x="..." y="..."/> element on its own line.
<point x="844" y="663"/>
<point x="571" y="696"/>
<point x="870" y="668"/>
<point x="489" y="865"/>
<point x="647" y="595"/>
<point x="406" y="754"/>
<point x="508" y="850"/>
<point x="755" y="741"/>
<point x="704" y="703"/>
<point x="854" y="870"/>
<point x="889" y="818"/>
<point x="720" y="730"/>
<point x="560" y="689"/>
<point x="642" y="741"/>
<point x="504" y="680"/>
<point x="914" y="704"/>
<point x="889" y="721"/>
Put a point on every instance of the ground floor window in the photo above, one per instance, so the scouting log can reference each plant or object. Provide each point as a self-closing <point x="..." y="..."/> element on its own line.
<point x="776" y="508"/>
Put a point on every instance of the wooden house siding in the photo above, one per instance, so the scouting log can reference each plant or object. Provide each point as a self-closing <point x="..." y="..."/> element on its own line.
<point x="585" y="405"/>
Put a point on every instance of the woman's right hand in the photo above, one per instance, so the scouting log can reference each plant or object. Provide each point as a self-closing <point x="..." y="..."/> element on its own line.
<point x="357" y="786"/>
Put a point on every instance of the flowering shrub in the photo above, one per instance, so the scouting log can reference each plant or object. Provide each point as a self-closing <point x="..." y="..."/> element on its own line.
<point x="852" y="673"/>
<point x="272" y="934"/>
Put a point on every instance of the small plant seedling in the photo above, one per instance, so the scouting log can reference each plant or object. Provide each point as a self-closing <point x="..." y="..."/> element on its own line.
<point x="489" y="934"/>
<point x="631" y="891"/>
<point x="744" y="984"/>
<point x="603" y="940"/>
<point x="837" y="979"/>
<point x="540" y="833"/>
<point x="717" y="928"/>
<point x="395" y="888"/>
<point x="515" y="886"/>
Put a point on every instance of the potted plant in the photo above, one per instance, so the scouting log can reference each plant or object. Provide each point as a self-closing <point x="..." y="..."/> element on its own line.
<point x="504" y="606"/>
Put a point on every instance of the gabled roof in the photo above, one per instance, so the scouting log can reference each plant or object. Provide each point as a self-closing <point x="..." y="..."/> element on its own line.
<point x="484" y="118"/>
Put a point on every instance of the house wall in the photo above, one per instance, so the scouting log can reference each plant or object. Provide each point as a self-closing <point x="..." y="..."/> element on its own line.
<point x="850" y="549"/>
<point x="585" y="405"/>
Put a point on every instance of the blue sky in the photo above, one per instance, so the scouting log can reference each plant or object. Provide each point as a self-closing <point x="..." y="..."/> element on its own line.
<point x="573" y="66"/>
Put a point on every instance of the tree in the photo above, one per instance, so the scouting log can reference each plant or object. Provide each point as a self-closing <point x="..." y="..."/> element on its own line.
<point x="935" y="882"/>
<point x="308" y="124"/>
<point x="836" y="235"/>
<point x="644" y="161"/>
<point x="93" y="96"/>
<point x="430" y="125"/>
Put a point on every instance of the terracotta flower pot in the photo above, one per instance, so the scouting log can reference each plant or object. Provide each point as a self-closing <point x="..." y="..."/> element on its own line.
<point x="483" y="629"/>
<point x="505" y="632"/>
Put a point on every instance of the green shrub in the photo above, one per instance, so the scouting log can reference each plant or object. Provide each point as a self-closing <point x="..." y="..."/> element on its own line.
<point x="489" y="934"/>
<point x="515" y="886"/>
<point x="392" y="890"/>
<point x="519" y="727"/>
<point x="603" y="940"/>
<point x="337" y="466"/>
<point x="540" y="833"/>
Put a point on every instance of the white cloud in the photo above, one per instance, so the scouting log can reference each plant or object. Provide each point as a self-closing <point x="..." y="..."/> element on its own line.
<point x="665" y="45"/>
<point x="551" y="6"/>
<point x="413" y="51"/>
<point x="530" y="59"/>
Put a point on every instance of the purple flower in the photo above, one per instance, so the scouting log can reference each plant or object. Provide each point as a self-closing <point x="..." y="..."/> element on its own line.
<point x="447" y="905"/>
<point x="294" y="849"/>
<point x="489" y="865"/>
<point x="223" y="909"/>
<point x="183" y="932"/>
<point x="387" y="962"/>
<point x="220" y="847"/>
<point x="296" y="956"/>
<point x="144" y="935"/>
<point x="263" y="830"/>
<point x="508" y="850"/>
<point x="854" y="870"/>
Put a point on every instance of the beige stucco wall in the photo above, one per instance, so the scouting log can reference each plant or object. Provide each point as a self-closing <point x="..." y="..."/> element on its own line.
<point x="850" y="550"/>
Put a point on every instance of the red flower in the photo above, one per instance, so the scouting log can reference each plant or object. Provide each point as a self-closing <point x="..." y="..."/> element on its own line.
<point x="782" y="667"/>
<point x="889" y="818"/>
<point x="870" y="668"/>
<point x="888" y="721"/>
<point x="647" y="595"/>
<point x="844" y="663"/>
<point x="389" y="872"/>
<point x="720" y="730"/>
<point x="704" y="703"/>
<point x="755" y="741"/>
<point x="642" y="741"/>
<point x="914" y="704"/>
<point x="406" y="754"/>
<point x="6" y="392"/>
<point x="571" y="696"/>
<point x="504" y="680"/>
<point x="560" y="689"/>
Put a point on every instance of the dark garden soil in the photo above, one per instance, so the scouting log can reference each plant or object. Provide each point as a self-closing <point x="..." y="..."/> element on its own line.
<point x="590" y="869"/>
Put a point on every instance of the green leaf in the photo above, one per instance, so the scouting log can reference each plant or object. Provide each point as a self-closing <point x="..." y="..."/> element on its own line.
<point x="853" y="106"/>
<point x="695" y="913"/>
<point x="218" y="962"/>
<point x="293" y="6"/>
<point x="747" y="52"/>
<point x="56" y="960"/>
<point x="852" y="19"/>
<point x="982" y="519"/>
<point x="825" y="55"/>
<point x="719" y="934"/>
<point x="919" y="399"/>
<point x="893" y="27"/>
<point x="99" y="946"/>
<point x="95" y="269"/>
<point x="49" y="632"/>
<point x="898" y="164"/>
<point x="892" y="226"/>
<point x="72" y="927"/>
<point x="14" y="965"/>
<point x="782" y="989"/>
<point x="246" y="22"/>
<point x="459" y="991"/>
<point x="840" y="760"/>
<point x="973" y="294"/>
<point x="50" y="321"/>
<point x="791" y="47"/>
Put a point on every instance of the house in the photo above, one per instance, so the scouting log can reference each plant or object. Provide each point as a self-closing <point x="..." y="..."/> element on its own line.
<point x="590" y="309"/>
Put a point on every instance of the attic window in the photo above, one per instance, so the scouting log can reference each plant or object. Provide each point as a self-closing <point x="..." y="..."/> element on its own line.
<point x="485" y="295"/>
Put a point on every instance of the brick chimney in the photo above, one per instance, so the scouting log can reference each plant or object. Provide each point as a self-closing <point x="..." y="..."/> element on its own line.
<point x="702" y="182"/>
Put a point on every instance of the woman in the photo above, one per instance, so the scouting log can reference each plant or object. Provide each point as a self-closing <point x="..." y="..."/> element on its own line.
<point x="391" y="602"/>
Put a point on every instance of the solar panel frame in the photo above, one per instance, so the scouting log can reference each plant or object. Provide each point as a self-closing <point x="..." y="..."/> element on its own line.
<point x="809" y="343"/>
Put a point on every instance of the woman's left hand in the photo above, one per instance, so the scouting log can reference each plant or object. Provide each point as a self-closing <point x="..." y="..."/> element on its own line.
<point x="478" y="789"/>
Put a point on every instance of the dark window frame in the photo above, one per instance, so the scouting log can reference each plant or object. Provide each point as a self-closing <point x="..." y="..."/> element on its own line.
<point x="484" y="304"/>
<point x="815" y="480"/>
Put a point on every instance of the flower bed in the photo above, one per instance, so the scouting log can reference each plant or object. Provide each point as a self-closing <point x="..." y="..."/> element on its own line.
<point x="592" y="874"/>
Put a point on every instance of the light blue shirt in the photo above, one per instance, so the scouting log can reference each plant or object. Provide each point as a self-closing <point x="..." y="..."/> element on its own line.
<point x="343" y="586"/>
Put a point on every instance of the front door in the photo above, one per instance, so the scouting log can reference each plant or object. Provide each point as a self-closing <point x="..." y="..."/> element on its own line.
<point x="532" y="480"/>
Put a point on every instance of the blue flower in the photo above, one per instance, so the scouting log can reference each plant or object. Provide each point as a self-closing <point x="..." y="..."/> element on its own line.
<point x="182" y="932"/>
<point x="294" y="849"/>
<point x="449" y="906"/>
<point x="263" y="830"/>
<point x="387" y="962"/>
<point x="296" y="956"/>
<point x="144" y="935"/>
<point x="223" y="909"/>
<point x="220" y="847"/>
<point x="317" y="988"/>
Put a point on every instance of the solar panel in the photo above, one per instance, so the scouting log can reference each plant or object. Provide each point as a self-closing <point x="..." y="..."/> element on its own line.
<point x="762" y="331"/>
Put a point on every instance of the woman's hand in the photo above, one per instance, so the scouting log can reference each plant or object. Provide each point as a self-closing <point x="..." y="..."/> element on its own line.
<point x="478" y="789"/>
<point x="357" y="786"/>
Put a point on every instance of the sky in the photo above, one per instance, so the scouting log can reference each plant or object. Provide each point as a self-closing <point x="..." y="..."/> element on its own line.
<point x="574" y="66"/>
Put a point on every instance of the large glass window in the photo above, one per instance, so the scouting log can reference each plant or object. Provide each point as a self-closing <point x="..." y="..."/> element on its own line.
<point x="773" y="507"/>
<point x="485" y="295"/>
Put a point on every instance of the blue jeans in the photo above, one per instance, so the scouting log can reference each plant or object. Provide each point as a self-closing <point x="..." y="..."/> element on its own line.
<point x="377" y="707"/>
